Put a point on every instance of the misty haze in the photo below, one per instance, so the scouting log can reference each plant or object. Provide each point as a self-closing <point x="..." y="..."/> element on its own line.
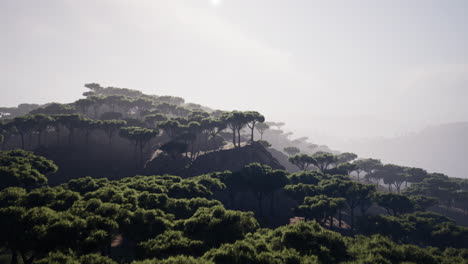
<point x="233" y="131"/>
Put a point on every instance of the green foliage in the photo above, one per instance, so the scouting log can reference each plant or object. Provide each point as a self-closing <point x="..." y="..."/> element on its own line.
<point x="421" y="203"/>
<point x="385" y="251"/>
<point x="177" y="220"/>
<point x="112" y="126"/>
<point x="438" y="186"/>
<point x="291" y="151"/>
<point x="322" y="160"/>
<point x="346" y="168"/>
<point x="217" y="225"/>
<point x="71" y="258"/>
<point x="171" y="243"/>
<point x="393" y="175"/>
<point x="22" y="125"/>
<point x="170" y="127"/>
<point x="175" y="260"/>
<point x="261" y="180"/>
<point x="24" y="169"/>
<point x="55" y="198"/>
<point x="320" y="207"/>
<point x="346" y="157"/>
<point x="421" y="228"/>
<point x="416" y="175"/>
<point x="186" y="208"/>
<point x="261" y="128"/>
<point x="153" y="119"/>
<point x="139" y="136"/>
<point x="144" y="224"/>
<point x="306" y="177"/>
<point x="86" y="184"/>
<point x="395" y="204"/>
<point x="84" y="104"/>
<point x="254" y="250"/>
<point x="55" y="109"/>
<point x="11" y="196"/>
<point x="302" y="161"/>
<point x="58" y="258"/>
<point x="237" y="120"/>
<point x="355" y="194"/>
<point x="311" y="239"/>
<point x="95" y="259"/>
<point x="299" y="191"/>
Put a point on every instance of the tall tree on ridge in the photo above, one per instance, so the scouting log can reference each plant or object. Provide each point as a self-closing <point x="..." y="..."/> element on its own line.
<point x="112" y="126"/>
<point x="261" y="128"/>
<point x="23" y="125"/>
<point x="139" y="136"/>
<point x="253" y="118"/>
<point x="291" y="151"/>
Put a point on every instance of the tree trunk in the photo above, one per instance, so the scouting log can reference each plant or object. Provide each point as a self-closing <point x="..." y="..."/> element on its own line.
<point x="30" y="140"/>
<point x="192" y="149"/>
<point x="232" y="197"/>
<point x="352" y="218"/>
<point x="339" y="218"/>
<point x="272" y="204"/>
<point x="260" y="207"/>
<point x="39" y="136"/>
<point x="57" y="131"/>
<point x="141" y="154"/>
<point x="214" y="143"/>
<point x="95" y="112"/>
<point x="4" y="142"/>
<point x="14" y="257"/>
<point x="22" y="140"/>
<point x="239" y="137"/>
<point x="252" y="134"/>
<point x="70" y="136"/>
<point x="27" y="260"/>
<point x="110" y="137"/>
<point x="234" y="137"/>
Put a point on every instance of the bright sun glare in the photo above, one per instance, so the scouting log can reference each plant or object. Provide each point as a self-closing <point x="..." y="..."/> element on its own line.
<point x="216" y="2"/>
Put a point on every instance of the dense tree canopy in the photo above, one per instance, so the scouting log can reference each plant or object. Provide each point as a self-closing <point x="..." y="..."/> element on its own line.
<point x="22" y="168"/>
<point x="321" y="214"/>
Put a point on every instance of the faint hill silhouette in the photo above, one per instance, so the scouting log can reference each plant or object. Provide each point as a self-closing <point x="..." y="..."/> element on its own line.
<point x="442" y="148"/>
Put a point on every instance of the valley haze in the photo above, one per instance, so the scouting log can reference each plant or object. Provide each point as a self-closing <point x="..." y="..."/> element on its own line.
<point x="334" y="71"/>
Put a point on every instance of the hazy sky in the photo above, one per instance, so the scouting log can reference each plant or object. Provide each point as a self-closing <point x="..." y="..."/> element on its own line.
<point x="314" y="64"/>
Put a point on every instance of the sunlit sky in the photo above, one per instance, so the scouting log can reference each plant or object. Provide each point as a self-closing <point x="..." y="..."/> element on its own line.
<point x="336" y="68"/>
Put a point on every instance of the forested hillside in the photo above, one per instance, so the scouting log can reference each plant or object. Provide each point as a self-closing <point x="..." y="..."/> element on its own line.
<point x="119" y="176"/>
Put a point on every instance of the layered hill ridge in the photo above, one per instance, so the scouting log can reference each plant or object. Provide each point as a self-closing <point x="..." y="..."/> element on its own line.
<point x="231" y="159"/>
<point x="178" y="179"/>
<point x="115" y="133"/>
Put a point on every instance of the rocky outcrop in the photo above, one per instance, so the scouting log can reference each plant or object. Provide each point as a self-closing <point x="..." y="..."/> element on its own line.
<point x="162" y="164"/>
<point x="233" y="159"/>
<point x="283" y="160"/>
